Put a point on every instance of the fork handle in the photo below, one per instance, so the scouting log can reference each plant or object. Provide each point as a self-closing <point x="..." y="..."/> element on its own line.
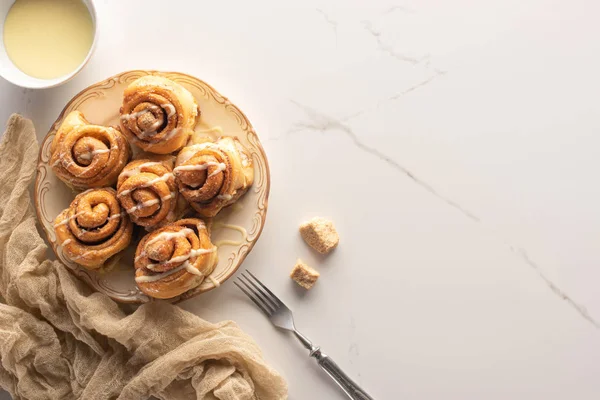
<point x="335" y="372"/>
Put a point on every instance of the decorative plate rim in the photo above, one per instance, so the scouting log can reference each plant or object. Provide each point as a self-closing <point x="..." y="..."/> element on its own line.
<point x="219" y="98"/>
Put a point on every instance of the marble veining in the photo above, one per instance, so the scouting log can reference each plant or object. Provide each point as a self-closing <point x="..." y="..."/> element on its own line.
<point x="318" y="121"/>
<point x="333" y="24"/>
<point x="388" y="49"/>
<point x="436" y="73"/>
<point x="489" y="250"/>
<point x="522" y="253"/>
<point x="321" y="122"/>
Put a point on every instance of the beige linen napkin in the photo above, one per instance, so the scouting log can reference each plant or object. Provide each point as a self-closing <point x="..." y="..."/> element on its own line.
<point x="61" y="340"/>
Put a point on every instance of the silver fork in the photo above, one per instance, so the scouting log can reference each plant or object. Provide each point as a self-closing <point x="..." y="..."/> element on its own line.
<point x="281" y="316"/>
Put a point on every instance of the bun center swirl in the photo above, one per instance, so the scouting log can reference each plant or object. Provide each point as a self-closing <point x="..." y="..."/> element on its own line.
<point x="93" y="228"/>
<point x="158" y="114"/>
<point x="203" y="177"/>
<point x="170" y="248"/>
<point x="147" y="119"/>
<point x="95" y="216"/>
<point x="213" y="175"/>
<point x="86" y="151"/>
<point x="147" y="192"/>
<point x="151" y="118"/>
<point x="89" y="149"/>
<point x="174" y="258"/>
<point x="86" y="155"/>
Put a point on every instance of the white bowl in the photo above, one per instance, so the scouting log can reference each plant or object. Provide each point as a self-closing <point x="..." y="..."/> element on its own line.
<point x="11" y="73"/>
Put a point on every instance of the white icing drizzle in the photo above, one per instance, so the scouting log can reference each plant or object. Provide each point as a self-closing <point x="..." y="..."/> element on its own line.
<point x="238" y="228"/>
<point x="225" y="197"/>
<point x="193" y="253"/>
<point x="84" y="255"/>
<point x="66" y="221"/>
<point x="152" y="129"/>
<point x="183" y="257"/>
<point x="191" y="269"/>
<point x="66" y="242"/>
<point x="68" y="164"/>
<point x="163" y="178"/>
<point x="153" y="278"/>
<point x="214" y="281"/>
<point x="169" y="235"/>
<point x="142" y="205"/>
<point x="89" y="155"/>
<point x="157" y="277"/>
<point x="115" y="216"/>
<point x="149" y="203"/>
<point x="139" y="113"/>
<point x="171" y="110"/>
<point x="189" y="151"/>
<point x="137" y="170"/>
<point x="202" y="167"/>
<point x="221" y="167"/>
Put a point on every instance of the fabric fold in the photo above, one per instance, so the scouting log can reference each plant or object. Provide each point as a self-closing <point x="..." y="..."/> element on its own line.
<point x="61" y="340"/>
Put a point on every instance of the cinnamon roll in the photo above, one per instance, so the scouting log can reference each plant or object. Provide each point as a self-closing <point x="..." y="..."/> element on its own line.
<point x="213" y="175"/>
<point x="147" y="192"/>
<point x="174" y="258"/>
<point x="94" y="229"/>
<point x="85" y="156"/>
<point x="158" y="114"/>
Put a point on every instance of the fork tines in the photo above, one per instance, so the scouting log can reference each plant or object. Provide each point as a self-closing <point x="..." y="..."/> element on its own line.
<point x="258" y="293"/>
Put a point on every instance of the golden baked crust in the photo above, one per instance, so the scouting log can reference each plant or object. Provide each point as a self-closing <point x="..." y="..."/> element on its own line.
<point x="158" y="114"/>
<point x="93" y="229"/>
<point x="88" y="156"/>
<point x="213" y="175"/>
<point x="174" y="258"/>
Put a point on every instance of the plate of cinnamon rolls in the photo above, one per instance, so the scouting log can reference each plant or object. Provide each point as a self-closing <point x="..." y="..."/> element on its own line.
<point x="152" y="185"/>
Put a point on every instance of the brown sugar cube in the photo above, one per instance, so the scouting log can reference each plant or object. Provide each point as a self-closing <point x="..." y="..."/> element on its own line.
<point x="320" y="234"/>
<point x="304" y="275"/>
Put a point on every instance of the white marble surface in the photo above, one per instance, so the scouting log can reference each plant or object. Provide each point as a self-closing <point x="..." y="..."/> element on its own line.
<point x="454" y="143"/>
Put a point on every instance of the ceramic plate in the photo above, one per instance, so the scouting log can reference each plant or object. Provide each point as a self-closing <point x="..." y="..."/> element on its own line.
<point x="100" y="104"/>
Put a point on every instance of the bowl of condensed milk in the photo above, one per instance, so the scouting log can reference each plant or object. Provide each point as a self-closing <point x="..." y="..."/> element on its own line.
<point x="44" y="43"/>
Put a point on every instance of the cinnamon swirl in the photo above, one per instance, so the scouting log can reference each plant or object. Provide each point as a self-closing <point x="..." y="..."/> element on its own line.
<point x="174" y="258"/>
<point x="158" y="114"/>
<point x="147" y="192"/>
<point x="213" y="175"/>
<point x="85" y="156"/>
<point x="93" y="229"/>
